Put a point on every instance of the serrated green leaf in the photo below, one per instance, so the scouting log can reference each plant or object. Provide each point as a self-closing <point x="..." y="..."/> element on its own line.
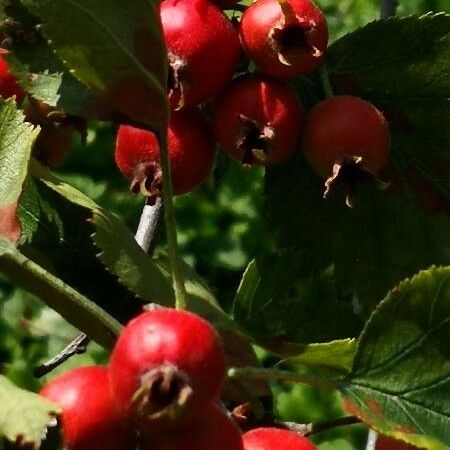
<point x="24" y="416"/>
<point x="16" y="141"/>
<point x="124" y="258"/>
<point x="400" y="380"/>
<point x="115" y="48"/>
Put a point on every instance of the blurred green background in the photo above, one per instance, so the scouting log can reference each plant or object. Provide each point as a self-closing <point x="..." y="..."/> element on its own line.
<point x="219" y="228"/>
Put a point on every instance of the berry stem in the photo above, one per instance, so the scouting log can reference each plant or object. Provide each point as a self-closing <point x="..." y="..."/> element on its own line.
<point x="169" y="216"/>
<point x="148" y="224"/>
<point x="308" y="429"/>
<point x="281" y="375"/>
<point x="388" y="8"/>
<point x="325" y="79"/>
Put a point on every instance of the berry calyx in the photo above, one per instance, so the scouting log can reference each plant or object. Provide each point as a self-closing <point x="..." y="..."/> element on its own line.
<point x="285" y="38"/>
<point x="9" y="85"/>
<point x="346" y="139"/>
<point x="203" y="50"/>
<point x="214" y="429"/>
<point x="191" y="153"/>
<point x="167" y="366"/>
<point x="266" y="438"/>
<point x="89" y="418"/>
<point x="258" y="121"/>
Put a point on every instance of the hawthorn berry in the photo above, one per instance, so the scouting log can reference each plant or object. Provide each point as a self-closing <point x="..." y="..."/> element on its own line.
<point x="258" y="120"/>
<point x="203" y="50"/>
<point x="266" y="438"/>
<point x="167" y="365"/>
<point x="89" y="418"/>
<point x="191" y="151"/>
<point x="387" y="443"/>
<point x="286" y="38"/>
<point x="212" y="430"/>
<point x="9" y="85"/>
<point x="346" y="138"/>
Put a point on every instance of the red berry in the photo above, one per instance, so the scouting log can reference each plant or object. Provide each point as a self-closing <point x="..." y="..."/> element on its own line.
<point x="213" y="430"/>
<point x="386" y="443"/>
<point x="167" y="361"/>
<point x="346" y="129"/>
<point x="191" y="152"/>
<point x="8" y="82"/>
<point x="203" y="50"/>
<point x="285" y="39"/>
<point x="258" y="120"/>
<point x="89" y="419"/>
<point x="275" y="439"/>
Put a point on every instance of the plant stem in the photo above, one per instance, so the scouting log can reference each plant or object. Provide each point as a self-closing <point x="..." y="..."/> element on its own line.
<point x="76" y="347"/>
<point x="169" y="215"/>
<point x="280" y="375"/>
<point x="325" y="79"/>
<point x="307" y="429"/>
<point x="148" y="224"/>
<point x="388" y="8"/>
<point x="65" y="300"/>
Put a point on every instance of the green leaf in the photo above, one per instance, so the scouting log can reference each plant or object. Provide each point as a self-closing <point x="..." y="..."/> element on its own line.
<point x="277" y="303"/>
<point x="115" y="48"/>
<point x="16" y="141"/>
<point x="24" y="416"/>
<point x="124" y="258"/>
<point x="400" y="380"/>
<point x="336" y="355"/>
<point x="43" y="75"/>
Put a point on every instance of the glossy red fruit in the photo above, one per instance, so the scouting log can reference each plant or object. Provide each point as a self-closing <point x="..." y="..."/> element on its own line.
<point x="167" y="365"/>
<point x="346" y="129"/>
<point x="9" y="86"/>
<point x="203" y="50"/>
<point x="191" y="151"/>
<point x="285" y="39"/>
<point x="213" y="430"/>
<point x="386" y="443"/>
<point x="275" y="439"/>
<point x="89" y="419"/>
<point x="258" y="120"/>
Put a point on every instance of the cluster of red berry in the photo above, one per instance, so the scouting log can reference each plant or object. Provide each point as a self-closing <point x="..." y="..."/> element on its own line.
<point x="256" y="117"/>
<point x="161" y="391"/>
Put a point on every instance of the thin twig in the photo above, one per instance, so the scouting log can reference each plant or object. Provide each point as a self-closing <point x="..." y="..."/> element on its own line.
<point x="169" y="216"/>
<point x="371" y="440"/>
<point x="388" y="8"/>
<point x="76" y="347"/>
<point x="307" y="429"/>
<point x="148" y="224"/>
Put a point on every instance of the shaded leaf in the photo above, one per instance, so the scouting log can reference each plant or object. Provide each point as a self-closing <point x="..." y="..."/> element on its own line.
<point x="115" y="48"/>
<point x="16" y="141"/>
<point x="24" y="416"/>
<point x="400" y="379"/>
